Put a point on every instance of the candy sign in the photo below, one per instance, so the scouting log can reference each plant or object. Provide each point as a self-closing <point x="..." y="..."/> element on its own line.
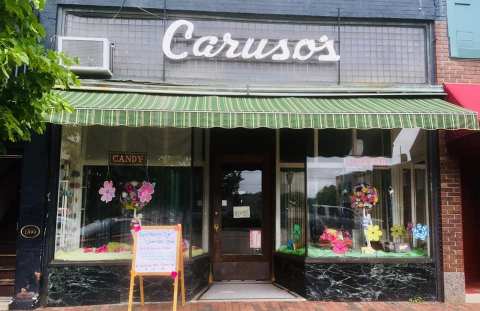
<point x="323" y="48"/>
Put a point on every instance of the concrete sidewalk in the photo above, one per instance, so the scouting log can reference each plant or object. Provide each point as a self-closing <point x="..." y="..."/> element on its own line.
<point x="282" y="306"/>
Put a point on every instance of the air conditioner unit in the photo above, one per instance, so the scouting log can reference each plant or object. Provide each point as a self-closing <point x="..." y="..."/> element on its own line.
<point x="94" y="55"/>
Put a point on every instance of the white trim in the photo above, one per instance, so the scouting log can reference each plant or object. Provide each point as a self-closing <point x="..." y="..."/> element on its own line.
<point x="206" y="194"/>
<point x="277" y="191"/>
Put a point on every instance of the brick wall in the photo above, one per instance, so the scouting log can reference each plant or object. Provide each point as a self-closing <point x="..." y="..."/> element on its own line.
<point x="452" y="70"/>
<point x="451" y="225"/>
<point x="451" y="209"/>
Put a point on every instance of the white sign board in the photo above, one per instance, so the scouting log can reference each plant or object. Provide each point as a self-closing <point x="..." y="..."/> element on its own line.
<point x="156" y="251"/>
<point x="241" y="212"/>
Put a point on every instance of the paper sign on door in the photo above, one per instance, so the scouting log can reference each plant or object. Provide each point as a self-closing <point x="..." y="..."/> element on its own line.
<point x="241" y="212"/>
<point x="255" y="238"/>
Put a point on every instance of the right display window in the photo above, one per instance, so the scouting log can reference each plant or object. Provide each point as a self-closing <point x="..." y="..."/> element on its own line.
<point x="367" y="194"/>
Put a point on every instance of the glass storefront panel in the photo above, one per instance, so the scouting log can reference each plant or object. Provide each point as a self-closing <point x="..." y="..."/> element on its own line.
<point x="111" y="176"/>
<point x="292" y="211"/>
<point x="371" y="200"/>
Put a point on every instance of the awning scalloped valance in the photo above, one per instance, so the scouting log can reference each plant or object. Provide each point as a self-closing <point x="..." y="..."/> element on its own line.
<point x="136" y="110"/>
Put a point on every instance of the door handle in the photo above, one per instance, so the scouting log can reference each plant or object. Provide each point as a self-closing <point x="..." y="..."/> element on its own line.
<point x="216" y="227"/>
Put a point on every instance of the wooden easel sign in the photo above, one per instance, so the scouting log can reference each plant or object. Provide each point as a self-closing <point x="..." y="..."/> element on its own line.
<point x="157" y="251"/>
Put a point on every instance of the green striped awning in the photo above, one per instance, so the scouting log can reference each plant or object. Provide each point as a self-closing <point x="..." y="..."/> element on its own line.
<point x="133" y="109"/>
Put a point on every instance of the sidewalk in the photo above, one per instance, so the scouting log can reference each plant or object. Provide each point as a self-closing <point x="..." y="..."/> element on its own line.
<point x="283" y="306"/>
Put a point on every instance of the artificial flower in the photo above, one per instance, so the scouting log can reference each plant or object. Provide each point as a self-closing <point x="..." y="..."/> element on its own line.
<point x="339" y="247"/>
<point x="145" y="192"/>
<point x="409" y="227"/>
<point x="101" y="249"/>
<point x="107" y="192"/>
<point x="373" y="233"/>
<point x="420" y="232"/>
<point x="329" y="235"/>
<point x="364" y="196"/>
<point x="398" y="231"/>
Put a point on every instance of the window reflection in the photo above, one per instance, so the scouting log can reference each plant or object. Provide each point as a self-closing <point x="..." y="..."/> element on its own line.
<point x="368" y="201"/>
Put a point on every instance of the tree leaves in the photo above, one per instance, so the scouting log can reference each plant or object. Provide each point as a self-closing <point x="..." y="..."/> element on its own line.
<point x="28" y="72"/>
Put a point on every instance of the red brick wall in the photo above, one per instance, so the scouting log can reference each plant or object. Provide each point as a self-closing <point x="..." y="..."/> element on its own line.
<point x="452" y="70"/>
<point x="451" y="209"/>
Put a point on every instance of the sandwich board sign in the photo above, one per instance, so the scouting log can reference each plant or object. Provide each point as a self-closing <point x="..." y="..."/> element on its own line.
<point x="157" y="251"/>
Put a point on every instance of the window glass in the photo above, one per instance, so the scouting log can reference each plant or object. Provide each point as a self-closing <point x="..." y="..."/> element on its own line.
<point x="334" y="143"/>
<point x="295" y="145"/>
<point x="110" y="176"/>
<point x="292" y="211"/>
<point x="369" y="201"/>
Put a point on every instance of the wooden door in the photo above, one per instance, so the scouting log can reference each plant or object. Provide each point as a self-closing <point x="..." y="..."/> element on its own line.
<point x="241" y="220"/>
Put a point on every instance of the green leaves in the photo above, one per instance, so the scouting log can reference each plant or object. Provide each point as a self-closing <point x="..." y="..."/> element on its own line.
<point x="28" y="72"/>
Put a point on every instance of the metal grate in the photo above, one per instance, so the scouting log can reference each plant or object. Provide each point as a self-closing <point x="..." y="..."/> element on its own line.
<point x="369" y="54"/>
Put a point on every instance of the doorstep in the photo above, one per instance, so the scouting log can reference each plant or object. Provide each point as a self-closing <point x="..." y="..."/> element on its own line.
<point x="472" y="298"/>
<point x="229" y="291"/>
<point x="4" y="302"/>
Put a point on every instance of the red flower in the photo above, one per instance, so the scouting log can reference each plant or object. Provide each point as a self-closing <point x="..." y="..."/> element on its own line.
<point x="173" y="274"/>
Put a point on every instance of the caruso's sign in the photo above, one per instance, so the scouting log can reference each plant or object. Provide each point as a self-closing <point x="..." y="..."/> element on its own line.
<point x="322" y="49"/>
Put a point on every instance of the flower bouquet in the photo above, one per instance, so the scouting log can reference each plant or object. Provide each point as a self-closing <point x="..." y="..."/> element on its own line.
<point x="135" y="196"/>
<point x="364" y="196"/>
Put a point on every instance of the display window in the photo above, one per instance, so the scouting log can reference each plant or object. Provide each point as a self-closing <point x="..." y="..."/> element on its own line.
<point x="366" y="195"/>
<point x="113" y="180"/>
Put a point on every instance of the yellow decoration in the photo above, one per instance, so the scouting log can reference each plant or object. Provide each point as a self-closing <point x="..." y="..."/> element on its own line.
<point x="398" y="231"/>
<point x="373" y="233"/>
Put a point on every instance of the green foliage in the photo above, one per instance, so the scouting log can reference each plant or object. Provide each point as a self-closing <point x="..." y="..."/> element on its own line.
<point x="327" y="196"/>
<point x="28" y="72"/>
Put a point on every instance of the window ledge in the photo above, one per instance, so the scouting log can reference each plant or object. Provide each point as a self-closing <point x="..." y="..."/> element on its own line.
<point x="63" y="263"/>
<point x="352" y="260"/>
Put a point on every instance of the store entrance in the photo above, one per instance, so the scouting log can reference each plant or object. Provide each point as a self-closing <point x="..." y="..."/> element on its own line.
<point x="241" y="208"/>
<point x="470" y="170"/>
<point x="10" y="172"/>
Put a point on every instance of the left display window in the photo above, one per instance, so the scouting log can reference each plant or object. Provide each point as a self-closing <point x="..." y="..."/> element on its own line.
<point x="111" y="179"/>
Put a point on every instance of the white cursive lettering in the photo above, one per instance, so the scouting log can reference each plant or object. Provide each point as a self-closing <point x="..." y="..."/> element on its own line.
<point x="211" y="46"/>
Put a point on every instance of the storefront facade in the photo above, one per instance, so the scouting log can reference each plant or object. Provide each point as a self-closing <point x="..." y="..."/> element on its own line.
<point x="298" y="151"/>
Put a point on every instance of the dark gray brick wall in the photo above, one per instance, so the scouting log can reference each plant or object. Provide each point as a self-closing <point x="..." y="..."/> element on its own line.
<point x="403" y="9"/>
<point x="440" y="9"/>
<point x="379" y="9"/>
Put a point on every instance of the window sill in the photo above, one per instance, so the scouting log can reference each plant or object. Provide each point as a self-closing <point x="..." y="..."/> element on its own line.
<point x="352" y="260"/>
<point x="63" y="263"/>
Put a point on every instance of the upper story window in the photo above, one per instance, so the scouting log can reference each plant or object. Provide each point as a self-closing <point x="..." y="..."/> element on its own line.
<point x="464" y="28"/>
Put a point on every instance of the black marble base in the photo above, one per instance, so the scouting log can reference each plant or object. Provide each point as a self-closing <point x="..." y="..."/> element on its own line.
<point x="356" y="281"/>
<point x="75" y="285"/>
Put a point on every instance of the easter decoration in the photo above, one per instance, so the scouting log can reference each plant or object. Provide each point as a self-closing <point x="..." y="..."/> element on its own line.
<point x="135" y="196"/>
<point x="338" y="240"/>
<point x="365" y="197"/>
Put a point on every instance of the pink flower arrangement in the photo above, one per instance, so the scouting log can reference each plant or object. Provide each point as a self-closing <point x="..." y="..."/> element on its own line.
<point x="135" y="197"/>
<point x="107" y="192"/>
<point x="339" y="247"/>
<point x="338" y="240"/>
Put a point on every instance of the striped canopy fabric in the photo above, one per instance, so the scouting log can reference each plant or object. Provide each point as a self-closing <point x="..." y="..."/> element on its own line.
<point x="133" y="109"/>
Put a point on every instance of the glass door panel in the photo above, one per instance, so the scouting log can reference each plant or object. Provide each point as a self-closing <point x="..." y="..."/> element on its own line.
<point x="241" y="211"/>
